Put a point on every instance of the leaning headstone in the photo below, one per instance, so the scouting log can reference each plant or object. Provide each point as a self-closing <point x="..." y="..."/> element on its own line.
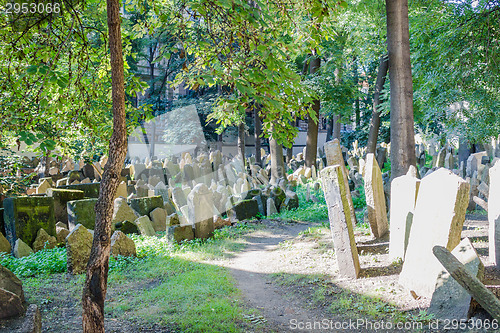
<point x="44" y="241"/>
<point x="78" y="245"/>
<point x="61" y="232"/>
<point x="122" y="245"/>
<point x="144" y="225"/>
<point x="42" y="188"/>
<point x="271" y="207"/>
<point x="450" y="300"/>
<point x="439" y="216"/>
<point x="375" y="198"/>
<point x="179" y="233"/>
<point x="11" y="294"/>
<point x="159" y="219"/>
<point x="494" y="214"/>
<point x="200" y="211"/>
<point x="404" y="191"/>
<point x="127" y="227"/>
<point x="172" y="219"/>
<point x="24" y="216"/>
<point x="21" y="249"/>
<point x="244" y="209"/>
<point x="122" y="211"/>
<point x="334" y="156"/>
<point x="4" y="244"/>
<point x="340" y="223"/>
<point x="81" y="212"/>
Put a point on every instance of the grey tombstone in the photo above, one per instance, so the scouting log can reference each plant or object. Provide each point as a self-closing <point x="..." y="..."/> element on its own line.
<point x="340" y="224"/>
<point x="81" y="212"/>
<point x="439" y="216"/>
<point x="200" y="209"/>
<point x="494" y="214"/>
<point x="78" y="245"/>
<point x="375" y="198"/>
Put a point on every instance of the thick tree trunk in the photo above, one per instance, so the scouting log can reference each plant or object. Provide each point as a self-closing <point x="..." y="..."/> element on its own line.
<point x="241" y="143"/>
<point x="312" y="125"/>
<point x="289" y="154"/>
<point x="277" y="165"/>
<point x="402" y="131"/>
<point x="371" y="146"/>
<point x="257" y="130"/>
<point x="94" y="292"/>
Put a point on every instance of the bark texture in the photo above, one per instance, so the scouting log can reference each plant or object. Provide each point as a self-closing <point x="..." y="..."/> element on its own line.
<point x="371" y="146"/>
<point x="241" y="143"/>
<point x="257" y="130"/>
<point x="398" y="45"/>
<point x="94" y="292"/>
<point x="277" y="164"/>
<point x="312" y="125"/>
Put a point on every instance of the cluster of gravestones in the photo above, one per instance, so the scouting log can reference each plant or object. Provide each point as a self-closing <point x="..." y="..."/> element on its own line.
<point x="424" y="215"/>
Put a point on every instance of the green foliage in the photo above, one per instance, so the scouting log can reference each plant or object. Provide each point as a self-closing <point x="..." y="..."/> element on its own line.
<point x="307" y="211"/>
<point x="39" y="263"/>
<point x="359" y="202"/>
<point x="11" y="166"/>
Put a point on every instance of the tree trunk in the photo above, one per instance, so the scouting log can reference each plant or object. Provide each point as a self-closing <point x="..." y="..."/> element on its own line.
<point x="371" y="146"/>
<point x="356" y="101"/>
<point x="398" y="45"/>
<point x="312" y="125"/>
<point x="336" y="127"/>
<point x="329" y="129"/>
<point x="257" y="130"/>
<point x="289" y="154"/>
<point x="241" y="143"/>
<point x="94" y="292"/>
<point x="219" y="142"/>
<point x="277" y="165"/>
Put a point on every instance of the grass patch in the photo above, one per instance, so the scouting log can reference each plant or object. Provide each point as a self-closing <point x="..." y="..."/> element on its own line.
<point x="166" y="284"/>
<point x="307" y="211"/>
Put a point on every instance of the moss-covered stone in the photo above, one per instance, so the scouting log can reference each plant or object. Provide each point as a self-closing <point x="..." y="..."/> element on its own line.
<point x="244" y="209"/>
<point x="2" y="224"/>
<point x="24" y="216"/>
<point x="81" y="212"/>
<point x="61" y="198"/>
<point x="91" y="190"/>
<point x="127" y="227"/>
<point x="146" y="205"/>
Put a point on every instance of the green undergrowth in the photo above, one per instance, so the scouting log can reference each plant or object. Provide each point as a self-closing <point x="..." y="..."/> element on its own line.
<point x="307" y="211"/>
<point x="168" y="285"/>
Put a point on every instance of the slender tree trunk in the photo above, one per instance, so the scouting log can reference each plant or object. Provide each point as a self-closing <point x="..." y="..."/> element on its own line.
<point x="94" y="292"/>
<point x="336" y="127"/>
<point x="329" y="129"/>
<point x="402" y="131"/>
<point x="277" y="165"/>
<point x="356" y="101"/>
<point x="312" y="125"/>
<point x="241" y="142"/>
<point x="289" y="154"/>
<point x="219" y="142"/>
<point x="257" y="130"/>
<point x="371" y="146"/>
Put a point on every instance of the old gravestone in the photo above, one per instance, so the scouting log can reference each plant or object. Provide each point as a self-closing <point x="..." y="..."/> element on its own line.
<point x="450" y="300"/>
<point x="340" y="224"/>
<point x="24" y="216"/>
<point x="334" y="156"/>
<point x="144" y="206"/>
<point x="200" y="211"/>
<point x="375" y="198"/>
<point x="78" y="245"/>
<point x="404" y="191"/>
<point x="494" y="214"/>
<point x="81" y="212"/>
<point x="439" y="216"/>
<point x="61" y="198"/>
<point x="11" y="294"/>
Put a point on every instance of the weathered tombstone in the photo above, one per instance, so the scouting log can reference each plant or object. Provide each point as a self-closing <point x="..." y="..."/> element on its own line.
<point x="4" y="244"/>
<point x="375" y="198"/>
<point x="21" y="249"/>
<point x="24" y="216"/>
<point x="159" y="219"/>
<point x="144" y="206"/>
<point x="244" y="209"/>
<point x="200" y="209"/>
<point x="271" y="207"/>
<point x="91" y="190"/>
<point x="81" y="212"/>
<point x="179" y="233"/>
<point x="44" y="241"/>
<point x="144" y="225"/>
<point x="494" y="214"/>
<point x="404" y="191"/>
<point x="42" y="188"/>
<point x="78" y="245"/>
<point x="178" y="197"/>
<point x="11" y="294"/>
<point x="441" y="157"/>
<point x="439" y="216"/>
<point x="334" y="156"/>
<point x="122" y="245"/>
<point x="122" y="211"/>
<point x="336" y="194"/>
<point x="61" y="232"/>
<point x="450" y="300"/>
<point x="61" y="198"/>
